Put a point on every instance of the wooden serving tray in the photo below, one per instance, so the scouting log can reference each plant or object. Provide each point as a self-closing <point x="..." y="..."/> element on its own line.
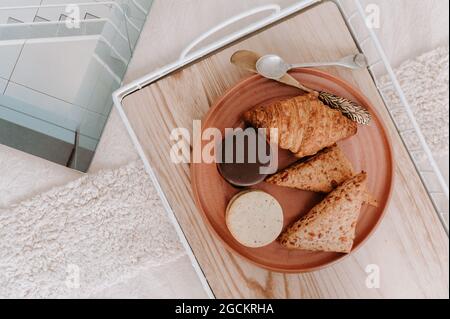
<point x="410" y="249"/>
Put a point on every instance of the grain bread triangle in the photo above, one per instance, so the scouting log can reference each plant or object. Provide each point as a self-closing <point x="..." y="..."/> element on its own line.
<point x="321" y="173"/>
<point x="330" y="225"/>
<point x="305" y="125"/>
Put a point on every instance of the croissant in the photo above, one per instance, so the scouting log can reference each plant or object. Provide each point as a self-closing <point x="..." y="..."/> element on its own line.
<point x="331" y="224"/>
<point x="305" y="125"/>
<point x="321" y="173"/>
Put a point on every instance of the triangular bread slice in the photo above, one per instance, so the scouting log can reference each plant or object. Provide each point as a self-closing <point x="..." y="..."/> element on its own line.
<point x="330" y="225"/>
<point x="305" y="125"/>
<point x="321" y="173"/>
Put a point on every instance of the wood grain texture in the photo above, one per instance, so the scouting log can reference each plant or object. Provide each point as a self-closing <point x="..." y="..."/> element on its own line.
<point x="410" y="247"/>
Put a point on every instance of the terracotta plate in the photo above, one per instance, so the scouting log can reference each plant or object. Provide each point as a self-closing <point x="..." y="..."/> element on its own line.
<point x="369" y="150"/>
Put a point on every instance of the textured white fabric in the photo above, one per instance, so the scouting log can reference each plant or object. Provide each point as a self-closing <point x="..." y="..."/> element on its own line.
<point x="425" y="82"/>
<point x="109" y="225"/>
<point x="24" y="175"/>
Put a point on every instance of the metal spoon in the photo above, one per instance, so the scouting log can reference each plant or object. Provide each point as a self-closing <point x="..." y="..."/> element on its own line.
<point x="247" y="60"/>
<point x="274" y="67"/>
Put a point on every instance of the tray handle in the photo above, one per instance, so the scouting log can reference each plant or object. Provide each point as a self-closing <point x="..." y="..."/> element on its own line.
<point x="271" y="7"/>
